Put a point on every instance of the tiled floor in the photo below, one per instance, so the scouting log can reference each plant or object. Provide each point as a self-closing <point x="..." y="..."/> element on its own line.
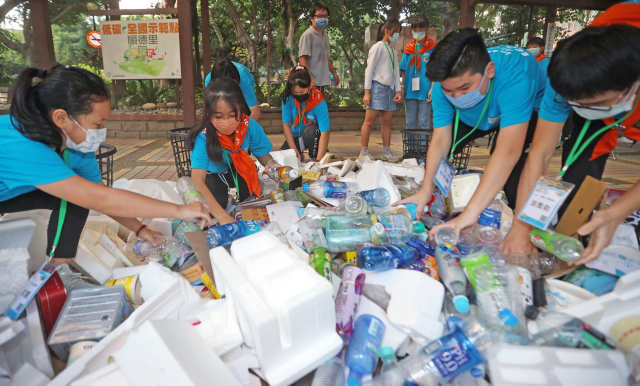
<point x="154" y="158"/>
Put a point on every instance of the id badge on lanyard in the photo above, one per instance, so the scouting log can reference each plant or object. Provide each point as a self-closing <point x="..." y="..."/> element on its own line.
<point x="546" y="198"/>
<point x="444" y="176"/>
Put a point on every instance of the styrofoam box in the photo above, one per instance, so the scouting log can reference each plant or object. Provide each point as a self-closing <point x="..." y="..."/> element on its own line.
<point x="555" y="366"/>
<point x="284" y="307"/>
<point x="166" y="294"/>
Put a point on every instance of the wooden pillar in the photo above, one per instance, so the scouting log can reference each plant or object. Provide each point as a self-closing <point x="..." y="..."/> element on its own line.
<point x="549" y="19"/>
<point x="467" y="13"/>
<point x="118" y="86"/>
<point x="186" y="63"/>
<point x="206" y="37"/>
<point x="42" y="55"/>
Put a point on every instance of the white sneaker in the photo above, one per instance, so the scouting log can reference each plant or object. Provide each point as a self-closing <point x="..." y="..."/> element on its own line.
<point x="387" y="155"/>
<point x="364" y="153"/>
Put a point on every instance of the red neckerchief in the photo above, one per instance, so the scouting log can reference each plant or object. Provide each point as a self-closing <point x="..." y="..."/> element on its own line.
<point x="540" y="57"/>
<point x="241" y="160"/>
<point x="315" y="97"/>
<point x="624" y="13"/>
<point x="410" y="49"/>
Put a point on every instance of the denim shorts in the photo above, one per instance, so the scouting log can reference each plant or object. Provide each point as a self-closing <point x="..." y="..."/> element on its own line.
<point x="382" y="97"/>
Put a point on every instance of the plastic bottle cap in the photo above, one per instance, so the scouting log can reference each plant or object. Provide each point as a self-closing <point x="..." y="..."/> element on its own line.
<point x="461" y="303"/>
<point x="412" y="208"/>
<point x="353" y="380"/>
<point x="386" y="353"/>
<point x="418" y="227"/>
<point x="508" y="318"/>
<point x="305" y="188"/>
<point x="300" y="212"/>
<point x="531" y="312"/>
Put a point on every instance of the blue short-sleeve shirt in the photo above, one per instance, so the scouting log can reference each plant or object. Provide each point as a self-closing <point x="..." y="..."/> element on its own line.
<point x="256" y="142"/>
<point x="411" y="72"/>
<point x="247" y="84"/>
<point x="319" y="115"/>
<point x="517" y="90"/>
<point x="25" y="164"/>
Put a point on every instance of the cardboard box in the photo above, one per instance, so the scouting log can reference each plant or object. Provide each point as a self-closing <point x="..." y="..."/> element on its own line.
<point x="587" y="198"/>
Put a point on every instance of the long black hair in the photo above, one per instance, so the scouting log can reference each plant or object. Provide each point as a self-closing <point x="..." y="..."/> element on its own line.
<point x="225" y="68"/>
<point x="298" y="76"/>
<point x="225" y="89"/>
<point x="61" y="87"/>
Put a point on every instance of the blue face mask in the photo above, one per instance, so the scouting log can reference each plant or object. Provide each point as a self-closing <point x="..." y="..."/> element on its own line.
<point x="322" y="22"/>
<point x="394" y="38"/>
<point x="469" y="99"/>
<point x="91" y="142"/>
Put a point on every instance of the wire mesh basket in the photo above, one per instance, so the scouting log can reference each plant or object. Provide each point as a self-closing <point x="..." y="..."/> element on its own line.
<point x="104" y="155"/>
<point x="415" y="143"/>
<point x="461" y="157"/>
<point x="181" y="150"/>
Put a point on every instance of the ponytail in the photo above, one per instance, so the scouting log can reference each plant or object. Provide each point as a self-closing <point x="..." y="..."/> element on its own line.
<point x="298" y="76"/>
<point x="61" y="87"/>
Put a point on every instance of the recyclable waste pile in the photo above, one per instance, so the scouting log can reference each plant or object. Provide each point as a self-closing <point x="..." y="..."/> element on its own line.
<point x="324" y="281"/>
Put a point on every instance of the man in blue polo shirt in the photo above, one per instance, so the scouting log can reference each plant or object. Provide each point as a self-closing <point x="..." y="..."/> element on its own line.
<point x="241" y="74"/>
<point x="479" y="90"/>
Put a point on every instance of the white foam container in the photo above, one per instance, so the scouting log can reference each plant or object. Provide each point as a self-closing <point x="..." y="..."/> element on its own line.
<point x="285" y="309"/>
<point x="555" y="366"/>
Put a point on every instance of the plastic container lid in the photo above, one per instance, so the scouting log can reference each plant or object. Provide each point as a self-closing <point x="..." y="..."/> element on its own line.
<point x="300" y="212"/>
<point x="461" y="303"/>
<point x="305" y="188"/>
<point x="418" y="227"/>
<point x="386" y="353"/>
<point x="508" y="318"/>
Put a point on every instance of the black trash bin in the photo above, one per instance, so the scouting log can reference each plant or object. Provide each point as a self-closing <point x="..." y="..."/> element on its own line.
<point x="181" y="150"/>
<point x="104" y="155"/>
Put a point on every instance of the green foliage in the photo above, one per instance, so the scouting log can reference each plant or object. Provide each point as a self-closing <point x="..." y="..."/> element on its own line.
<point x="141" y="91"/>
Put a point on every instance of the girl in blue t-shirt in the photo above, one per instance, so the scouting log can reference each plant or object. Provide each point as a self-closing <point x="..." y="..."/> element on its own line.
<point x="221" y="144"/>
<point x="48" y="142"/>
<point x="305" y="116"/>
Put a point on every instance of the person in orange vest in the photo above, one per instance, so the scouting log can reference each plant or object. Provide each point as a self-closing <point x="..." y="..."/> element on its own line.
<point x="593" y="88"/>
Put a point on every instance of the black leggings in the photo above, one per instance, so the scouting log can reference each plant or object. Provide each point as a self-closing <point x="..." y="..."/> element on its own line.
<point x="219" y="185"/>
<point x="72" y="227"/>
<point x="511" y="186"/>
<point x="310" y="138"/>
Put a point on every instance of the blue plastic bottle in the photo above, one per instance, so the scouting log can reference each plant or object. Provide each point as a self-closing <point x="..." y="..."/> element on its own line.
<point x="376" y="197"/>
<point x="362" y="356"/>
<point x="327" y="189"/>
<point x="223" y="235"/>
<point x="383" y="258"/>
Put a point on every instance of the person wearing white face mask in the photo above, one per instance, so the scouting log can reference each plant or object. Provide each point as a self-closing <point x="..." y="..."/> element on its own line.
<point x="594" y="92"/>
<point x="476" y="91"/>
<point x="382" y="87"/>
<point x="49" y="139"/>
<point x="535" y="46"/>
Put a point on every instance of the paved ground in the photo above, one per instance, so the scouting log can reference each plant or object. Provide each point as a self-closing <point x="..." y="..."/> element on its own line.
<point x="154" y="158"/>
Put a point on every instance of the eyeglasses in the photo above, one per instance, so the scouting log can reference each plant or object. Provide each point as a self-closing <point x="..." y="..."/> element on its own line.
<point x="561" y="101"/>
<point x="325" y="16"/>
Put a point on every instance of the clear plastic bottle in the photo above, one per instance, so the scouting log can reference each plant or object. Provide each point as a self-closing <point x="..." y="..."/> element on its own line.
<point x="355" y="205"/>
<point x="394" y="228"/>
<point x="390" y="374"/>
<point x="346" y="232"/>
<point x="141" y="248"/>
<point x="449" y="269"/>
<point x="223" y="235"/>
<point x="563" y="247"/>
<point x="386" y="257"/>
<point x="331" y="373"/>
<point x="183" y="227"/>
<point x="188" y="191"/>
<point x="437" y="206"/>
<point x="418" y="230"/>
<point x="361" y="356"/>
<point x="319" y="213"/>
<point x="329" y="189"/>
<point x="378" y="197"/>
<point x="563" y="330"/>
<point x="173" y="251"/>
<point x="430" y="221"/>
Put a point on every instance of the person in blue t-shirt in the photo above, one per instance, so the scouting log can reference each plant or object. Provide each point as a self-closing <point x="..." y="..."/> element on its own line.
<point x="535" y="46"/>
<point x="593" y="102"/>
<point x="413" y="68"/>
<point x="221" y="143"/>
<point x="478" y="90"/>
<point x="305" y="116"/>
<point x="241" y="74"/>
<point x="48" y="161"/>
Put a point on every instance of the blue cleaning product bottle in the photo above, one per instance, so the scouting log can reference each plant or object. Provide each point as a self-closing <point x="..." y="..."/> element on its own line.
<point x="223" y="235"/>
<point x="362" y="353"/>
<point x="328" y="189"/>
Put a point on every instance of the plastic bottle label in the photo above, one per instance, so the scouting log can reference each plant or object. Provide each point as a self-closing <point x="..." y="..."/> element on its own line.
<point x="374" y="326"/>
<point x="450" y="361"/>
<point x="490" y="217"/>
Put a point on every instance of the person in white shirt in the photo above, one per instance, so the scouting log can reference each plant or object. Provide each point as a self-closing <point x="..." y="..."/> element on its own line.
<point x="382" y="89"/>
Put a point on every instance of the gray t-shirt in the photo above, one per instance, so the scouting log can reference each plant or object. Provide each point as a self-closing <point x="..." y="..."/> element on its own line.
<point x="315" y="45"/>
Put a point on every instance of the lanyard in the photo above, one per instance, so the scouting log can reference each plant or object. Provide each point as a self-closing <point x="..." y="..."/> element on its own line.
<point x="234" y="176"/>
<point x="455" y="126"/>
<point x="393" y="61"/>
<point x="579" y="147"/>
<point x="62" y="214"/>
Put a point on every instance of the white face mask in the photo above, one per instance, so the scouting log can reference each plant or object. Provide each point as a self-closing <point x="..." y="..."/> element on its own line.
<point x="534" y="51"/>
<point x="92" y="140"/>
<point x="418" y="35"/>
<point x="616" y="109"/>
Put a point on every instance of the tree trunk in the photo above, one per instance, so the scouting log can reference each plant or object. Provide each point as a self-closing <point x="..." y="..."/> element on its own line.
<point x="268" y="59"/>
<point x="196" y="42"/>
<point x="394" y="12"/>
<point x="289" y="36"/>
<point x="217" y="31"/>
<point x="243" y="35"/>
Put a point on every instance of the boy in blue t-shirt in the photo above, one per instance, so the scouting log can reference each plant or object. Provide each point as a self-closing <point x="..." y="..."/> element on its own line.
<point x="243" y="76"/>
<point x="479" y="90"/>
<point x="413" y="68"/>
